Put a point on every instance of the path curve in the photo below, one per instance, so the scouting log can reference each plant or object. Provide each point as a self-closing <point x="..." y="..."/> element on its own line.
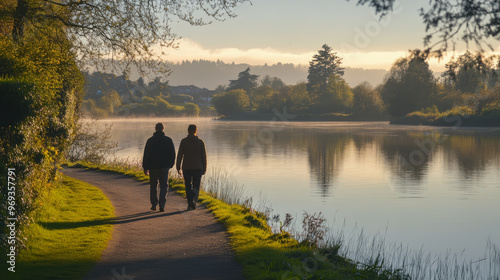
<point x="146" y="244"/>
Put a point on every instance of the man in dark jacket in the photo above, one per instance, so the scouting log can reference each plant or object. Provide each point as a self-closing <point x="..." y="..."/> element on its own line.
<point x="159" y="157"/>
<point x="193" y="156"/>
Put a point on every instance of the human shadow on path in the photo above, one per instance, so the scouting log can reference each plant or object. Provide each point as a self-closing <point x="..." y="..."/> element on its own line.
<point x="110" y="221"/>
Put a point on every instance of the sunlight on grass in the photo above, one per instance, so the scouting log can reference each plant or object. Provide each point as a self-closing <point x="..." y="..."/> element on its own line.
<point x="65" y="240"/>
<point x="263" y="253"/>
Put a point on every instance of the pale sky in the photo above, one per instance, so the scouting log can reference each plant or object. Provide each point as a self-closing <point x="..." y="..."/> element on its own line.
<point x="292" y="31"/>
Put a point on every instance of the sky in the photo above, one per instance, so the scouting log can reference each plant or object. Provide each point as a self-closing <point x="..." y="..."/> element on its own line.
<point x="292" y="31"/>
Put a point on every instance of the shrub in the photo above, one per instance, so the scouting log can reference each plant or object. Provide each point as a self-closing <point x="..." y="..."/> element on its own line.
<point x="40" y="91"/>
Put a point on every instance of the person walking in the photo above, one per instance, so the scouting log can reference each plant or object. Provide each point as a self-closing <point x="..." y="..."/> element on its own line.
<point x="159" y="157"/>
<point x="192" y="157"/>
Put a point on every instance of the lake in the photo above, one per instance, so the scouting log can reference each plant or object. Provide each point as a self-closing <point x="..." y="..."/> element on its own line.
<point x="436" y="189"/>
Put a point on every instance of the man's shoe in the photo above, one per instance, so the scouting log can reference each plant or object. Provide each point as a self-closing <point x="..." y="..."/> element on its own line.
<point x="190" y="207"/>
<point x="153" y="207"/>
<point x="162" y="209"/>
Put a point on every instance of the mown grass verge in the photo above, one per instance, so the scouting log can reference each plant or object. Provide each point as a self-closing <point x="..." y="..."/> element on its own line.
<point x="264" y="254"/>
<point x="69" y="232"/>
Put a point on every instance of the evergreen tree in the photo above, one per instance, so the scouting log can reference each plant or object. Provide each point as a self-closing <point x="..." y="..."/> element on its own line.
<point x="324" y="64"/>
<point x="245" y="81"/>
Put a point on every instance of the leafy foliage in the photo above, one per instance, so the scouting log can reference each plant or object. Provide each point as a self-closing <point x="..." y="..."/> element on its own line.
<point x="128" y="30"/>
<point x="472" y="72"/>
<point x="337" y="96"/>
<point x="471" y="81"/>
<point x="410" y="86"/>
<point x="367" y="101"/>
<point x="41" y="87"/>
<point x="472" y="21"/>
<point x="231" y="102"/>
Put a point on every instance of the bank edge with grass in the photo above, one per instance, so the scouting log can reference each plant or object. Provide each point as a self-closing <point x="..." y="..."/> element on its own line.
<point x="72" y="224"/>
<point x="264" y="254"/>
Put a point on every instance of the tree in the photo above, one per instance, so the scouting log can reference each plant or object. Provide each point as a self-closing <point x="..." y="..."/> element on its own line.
<point x="265" y="99"/>
<point x="231" y="102"/>
<point x="140" y="82"/>
<point x="409" y="86"/>
<point x="337" y="97"/>
<point x="367" y="101"/>
<point x="192" y="109"/>
<point x="324" y="64"/>
<point x="471" y="72"/>
<point x="274" y="82"/>
<point x="296" y="97"/>
<point x="477" y="20"/>
<point x="127" y="29"/>
<point x="245" y="81"/>
<point x="109" y="101"/>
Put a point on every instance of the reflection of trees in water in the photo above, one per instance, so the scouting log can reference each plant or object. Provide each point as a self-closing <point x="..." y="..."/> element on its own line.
<point x="326" y="153"/>
<point x="472" y="153"/>
<point x="362" y="141"/>
<point x="407" y="160"/>
<point x="407" y="155"/>
<point x="410" y="155"/>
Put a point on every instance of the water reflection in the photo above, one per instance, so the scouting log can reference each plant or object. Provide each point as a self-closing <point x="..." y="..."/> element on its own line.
<point x="408" y="155"/>
<point x="434" y="187"/>
<point x="472" y="154"/>
<point x="326" y="153"/>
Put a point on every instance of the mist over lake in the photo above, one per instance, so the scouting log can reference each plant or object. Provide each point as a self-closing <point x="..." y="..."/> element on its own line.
<point x="432" y="188"/>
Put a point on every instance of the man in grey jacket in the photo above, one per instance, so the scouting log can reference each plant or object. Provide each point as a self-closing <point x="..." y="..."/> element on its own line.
<point x="192" y="157"/>
<point x="159" y="157"/>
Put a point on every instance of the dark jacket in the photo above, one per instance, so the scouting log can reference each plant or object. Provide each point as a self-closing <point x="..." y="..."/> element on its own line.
<point x="192" y="154"/>
<point x="159" y="152"/>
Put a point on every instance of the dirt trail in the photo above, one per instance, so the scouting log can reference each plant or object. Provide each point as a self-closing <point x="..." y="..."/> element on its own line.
<point x="146" y="244"/>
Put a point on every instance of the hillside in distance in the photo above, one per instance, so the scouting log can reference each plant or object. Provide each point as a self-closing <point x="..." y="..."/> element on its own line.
<point x="210" y="74"/>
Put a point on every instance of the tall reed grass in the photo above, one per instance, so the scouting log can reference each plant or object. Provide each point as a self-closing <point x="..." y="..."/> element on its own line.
<point x="369" y="252"/>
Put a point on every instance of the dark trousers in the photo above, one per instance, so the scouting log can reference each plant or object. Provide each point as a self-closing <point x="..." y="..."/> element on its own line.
<point x="192" y="180"/>
<point x="158" y="176"/>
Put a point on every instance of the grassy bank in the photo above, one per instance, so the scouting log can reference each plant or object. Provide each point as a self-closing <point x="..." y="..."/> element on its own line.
<point x="458" y="116"/>
<point x="69" y="232"/>
<point x="268" y="255"/>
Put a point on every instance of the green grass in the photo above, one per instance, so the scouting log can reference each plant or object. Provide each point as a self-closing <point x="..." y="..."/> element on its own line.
<point x="458" y="116"/>
<point x="70" y="230"/>
<point x="263" y="254"/>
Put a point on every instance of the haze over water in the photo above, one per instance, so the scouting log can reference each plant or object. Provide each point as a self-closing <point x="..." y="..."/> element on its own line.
<point x="431" y="188"/>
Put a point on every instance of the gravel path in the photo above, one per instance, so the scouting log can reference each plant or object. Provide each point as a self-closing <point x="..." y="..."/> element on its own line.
<point x="146" y="244"/>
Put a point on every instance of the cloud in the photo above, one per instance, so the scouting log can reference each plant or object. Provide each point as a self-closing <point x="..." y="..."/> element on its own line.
<point x="191" y="50"/>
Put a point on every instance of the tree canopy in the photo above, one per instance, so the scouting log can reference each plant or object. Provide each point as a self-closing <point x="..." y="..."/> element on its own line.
<point x="409" y="86"/>
<point x="130" y="30"/>
<point x="471" y="72"/>
<point x="472" y="21"/>
<point x="324" y="64"/>
<point x="245" y="81"/>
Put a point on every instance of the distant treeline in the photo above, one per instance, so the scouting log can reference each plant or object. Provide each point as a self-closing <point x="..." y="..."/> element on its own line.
<point x="467" y="93"/>
<point x="210" y="74"/>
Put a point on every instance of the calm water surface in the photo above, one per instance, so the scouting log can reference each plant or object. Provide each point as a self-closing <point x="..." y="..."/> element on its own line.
<point x="431" y="188"/>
